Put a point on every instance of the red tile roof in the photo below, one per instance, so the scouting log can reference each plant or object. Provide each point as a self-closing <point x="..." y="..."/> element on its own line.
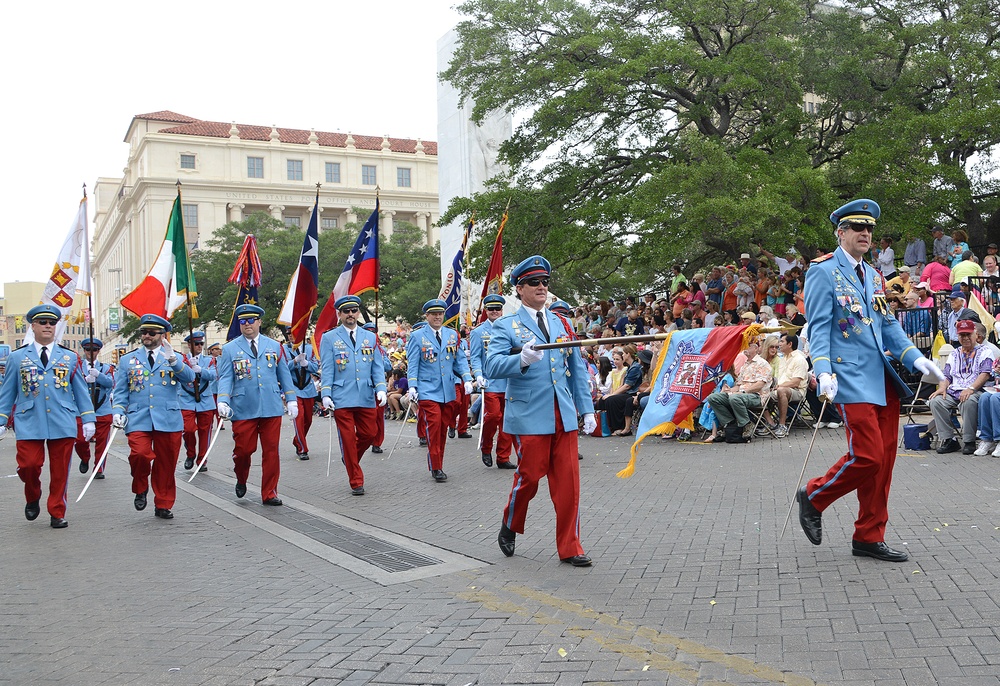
<point x="216" y="129"/>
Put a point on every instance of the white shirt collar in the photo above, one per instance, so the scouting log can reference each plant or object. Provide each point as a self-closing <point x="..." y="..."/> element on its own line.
<point x="48" y="349"/>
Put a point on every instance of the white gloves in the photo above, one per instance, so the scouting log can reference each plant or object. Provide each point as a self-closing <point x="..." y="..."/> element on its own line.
<point x="91" y="374"/>
<point x="589" y="423"/>
<point x="827" y="386"/>
<point x="925" y="366"/>
<point x="293" y="409"/>
<point x="89" y="429"/>
<point x="381" y="398"/>
<point x="468" y="388"/>
<point x="481" y="380"/>
<point x="168" y="353"/>
<point x="196" y="369"/>
<point x="412" y="394"/>
<point x="3" y="431"/>
<point x="328" y="403"/>
<point x="302" y="360"/>
<point x="529" y="355"/>
<point x="224" y="410"/>
<point x="119" y="421"/>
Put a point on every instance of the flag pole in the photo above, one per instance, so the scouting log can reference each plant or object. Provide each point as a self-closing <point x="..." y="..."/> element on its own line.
<point x="90" y="308"/>
<point x="187" y="298"/>
<point x="503" y="222"/>
<point x="379" y="276"/>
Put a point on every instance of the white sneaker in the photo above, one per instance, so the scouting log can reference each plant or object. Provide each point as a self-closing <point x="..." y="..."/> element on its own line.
<point x="834" y="425"/>
<point x="818" y="425"/>
<point x="781" y="431"/>
<point x="985" y="448"/>
<point x="996" y="453"/>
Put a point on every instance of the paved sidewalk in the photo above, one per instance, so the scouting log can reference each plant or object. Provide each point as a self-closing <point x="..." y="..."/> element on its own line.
<point x="406" y="585"/>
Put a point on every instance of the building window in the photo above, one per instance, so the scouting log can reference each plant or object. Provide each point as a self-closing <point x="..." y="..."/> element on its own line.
<point x="403" y="177"/>
<point x="187" y="161"/>
<point x="368" y="177"/>
<point x="811" y="108"/>
<point x="333" y="172"/>
<point x="294" y="170"/>
<point x="293" y="222"/>
<point x="328" y="223"/>
<point x="255" y="167"/>
<point x="190" y="216"/>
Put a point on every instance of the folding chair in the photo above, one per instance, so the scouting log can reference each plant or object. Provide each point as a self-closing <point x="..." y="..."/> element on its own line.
<point x="802" y="413"/>
<point x="759" y="418"/>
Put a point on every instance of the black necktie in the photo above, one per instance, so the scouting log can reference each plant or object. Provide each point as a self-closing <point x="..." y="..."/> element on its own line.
<point x="151" y="362"/>
<point x="541" y="325"/>
<point x="438" y="334"/>
<point x="44" y="357"/>
<point x="354" y="343"/>
<point x="253" y="348"/>
<point x="861" y="272"/>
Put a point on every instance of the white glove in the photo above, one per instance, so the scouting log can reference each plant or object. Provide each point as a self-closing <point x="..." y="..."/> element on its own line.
<point x="328" y="403"/>
<point x="412" y="394"/>
<point x="3" y="431"/>
<point x="529" y="355"/>
<point x="224" y="410"/>
<point x="302" y="360"/>
<point x="481" y="380"/>
<point x="381" y="398"/>
<point x="468" y="388"/>
<point x="293" y="409"/>
<point x="827" y="386"/>
<point x="589" y="423"/>
<point x="196" y="369"/>
<point x="925" y="366"/>
<point x="168" y="353"/>
<point x="89" y="429"/>
<point x="91" y="376"/>
<point x="119" y="421"/>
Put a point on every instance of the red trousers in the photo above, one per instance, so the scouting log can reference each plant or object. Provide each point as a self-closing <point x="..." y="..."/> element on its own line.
<point x="100" y="437"/>
<point x="421" y="429"/>
<point x="379" y="425"/>
<point x="557" y="457"/>
<point x="435" y="418"/>
<point x="356" y="430"/>
<point x="245" y="434"/>
<point x="493" y="405"/>
<point x="197" y="432"/>
<point x="867" y="466"/>
<point x="153" y="457"/>
<point x="303" y="422"/>
<point x="31" y="457"/>
<point x="460" y="419"/>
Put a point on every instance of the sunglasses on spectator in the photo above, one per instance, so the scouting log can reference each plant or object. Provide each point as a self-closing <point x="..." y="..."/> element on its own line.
<point x="534" y="283"/>
<point x="149" y="332"/>
<point x="349" y="310"/>
<point x="250" y="320"/>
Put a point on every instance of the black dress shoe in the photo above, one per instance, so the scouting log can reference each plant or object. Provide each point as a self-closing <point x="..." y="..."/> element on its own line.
<point x="578" y="560"/>
<point x="84" y="466"/>
<point x="810" y="518"/>
<point x="360" y="490"/>
<point x="506" y="539"/>
<point x="439" y="475"/>
<point x="506" y="465"/>
<point x="273" y="502"/>
<point x="140" y="501"/>
<point x="163" y="513"/>
<point x="451" y="433"/>
<point x="488" y="459"/>
<point x="969" y="448"/>
<point x="241" y="490"/>
<point x="99" y="475"/>
<point x="189" y="463"/>
<point x="949" y="446"/>
<point x="58" y="523"/>
<point x="377" y="449"/>
<point x="880" y="551"/>
<point x="465" y="434"/>
<point x="302" y="456"/>
<point x="423" y="442"/>
<point x="204" y="468"/>
<point x="31" y="511"/>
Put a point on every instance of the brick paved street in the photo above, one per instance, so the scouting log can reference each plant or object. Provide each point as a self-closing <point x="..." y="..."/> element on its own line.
<point x="690" y="583"/>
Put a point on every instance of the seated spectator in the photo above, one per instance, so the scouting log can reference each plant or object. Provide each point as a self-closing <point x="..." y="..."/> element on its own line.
<point x="993" y="351"/>
<point x="925" y="296"/>
<point x="618" y="405"/>
<point x="398" y="386"/>
<point x="712" y="314"/>
<point x="748" y="392"/>
<point x="793" y="315"/>
<point x="602" y="380"/>
<point x="916" y="321"/>
<point x="898" y="287"/>
<point x="989" y="418"/>
<point x="631" y="324"/>
<point x="967" y="370"/>
<point x="766" y="317"/>
<point x="791" y="380"/>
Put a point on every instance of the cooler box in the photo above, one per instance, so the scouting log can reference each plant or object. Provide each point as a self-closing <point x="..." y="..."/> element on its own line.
<point x="912" y="437"/>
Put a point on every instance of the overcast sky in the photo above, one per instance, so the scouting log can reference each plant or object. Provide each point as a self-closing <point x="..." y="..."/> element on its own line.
<point x="77" y="74"/>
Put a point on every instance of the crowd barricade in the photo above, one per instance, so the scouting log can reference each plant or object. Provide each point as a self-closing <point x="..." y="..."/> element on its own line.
<point x="988" y="290"/>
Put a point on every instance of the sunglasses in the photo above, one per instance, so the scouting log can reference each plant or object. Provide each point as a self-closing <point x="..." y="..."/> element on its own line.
<point x="196" y="343"/>
<point x="45" y="322"/>
<point x="534" y="283"/>
<point x="349" y="310"/>
<point x="862" y="227"/>
<point x="149" y="332"/>
<point x="250" y="320"/>
<point x="495" y="309"/>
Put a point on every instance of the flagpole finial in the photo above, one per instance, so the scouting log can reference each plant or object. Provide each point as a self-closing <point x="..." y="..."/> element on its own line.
<point x="85" y="190"/>
<point x="318" y="184"/>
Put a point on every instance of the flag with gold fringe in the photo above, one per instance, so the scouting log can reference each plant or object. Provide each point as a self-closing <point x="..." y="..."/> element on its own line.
<point x="690" y="365"/>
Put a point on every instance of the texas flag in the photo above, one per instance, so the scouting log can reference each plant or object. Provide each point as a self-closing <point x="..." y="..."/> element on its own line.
<point x="303" y="288"/>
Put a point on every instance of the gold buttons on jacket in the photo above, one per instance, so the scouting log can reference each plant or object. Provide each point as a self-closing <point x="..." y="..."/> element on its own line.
<point x="839" y="360"/>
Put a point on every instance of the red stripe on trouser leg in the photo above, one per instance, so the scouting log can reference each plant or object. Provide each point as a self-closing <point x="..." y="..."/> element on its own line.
<point x="421" y="429"/>
<point x="493" y="408"/>
<point x="101" y="434"/>
<point x="461" y="406"/>
<point x="436" y="417"/>
<point x="303" y="422"/>
<point x="197" y="430"/>
<point x="245" y="435"/>
<point x="153" y="458"/>
<point x="557" y="457"/>
<point x="379" y="425"/>
<point x="31" y="457"/>
<point x="356" y="427"/>
<point x="866" y="467"/>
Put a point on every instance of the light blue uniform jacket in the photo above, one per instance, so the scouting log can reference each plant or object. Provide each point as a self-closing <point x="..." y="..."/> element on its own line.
<point x="352" y="374"/>
<point x="299" y="372"/>
<point x="533" y="392"/>
<point x="105" y="382"/>
<point x="851" y="327"/>
<point x="479" y="345"/>
<point x="208" y="375"/>
<point x="48" y="399"/>
<point x="432" y="368"/>
<point x="255" y="388"/>
<point x="149" y="396"/>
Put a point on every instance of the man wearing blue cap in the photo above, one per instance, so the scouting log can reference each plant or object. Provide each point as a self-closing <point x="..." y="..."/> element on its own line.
<point x="957" y="301"/>
<point x="421" y="427"/>
<point x="850" y="327"/>
<point x="197" y="402"/>
<point x="255" y="388"/>
<point x="434" y="360"/>
<point x="147" y="406"/>
<point x="353" y="380"/>
<point x="302" y="364"/>
<point x="493" y="389"/>
<point x="387" y="367"/>
<point x="45" y="381"/>
<point x="100" y="380"/>
<point x="546" y="390"/>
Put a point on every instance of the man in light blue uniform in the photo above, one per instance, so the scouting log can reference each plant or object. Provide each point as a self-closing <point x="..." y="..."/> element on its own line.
<point x="546" y="390"/>
<point x="45" y="381"/>
<point x="492" y="389"/>
<point x="850" y="327"/>
<point x="147" y="406"/>
<point x="197" y="401"/>
<point x="255" y="387"/>
<point x="100" y="380"/>
<point x="434" y="360"/>
<point x="387" y="366"/>
<point x="353" y="378"/>
<point x="302" y="364"/>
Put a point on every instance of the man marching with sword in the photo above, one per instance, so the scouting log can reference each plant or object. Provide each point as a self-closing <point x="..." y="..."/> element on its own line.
<point x="196" y="401"/>
<point x="100" y="380"/>
<point x="302" y="363"/>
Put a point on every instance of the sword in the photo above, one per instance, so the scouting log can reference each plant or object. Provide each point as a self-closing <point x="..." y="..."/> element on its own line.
<point x="405" y="415"/>
<point x="99" y="464"/>
<point x="798" y="483"/>
<point x="203" y="460"/>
